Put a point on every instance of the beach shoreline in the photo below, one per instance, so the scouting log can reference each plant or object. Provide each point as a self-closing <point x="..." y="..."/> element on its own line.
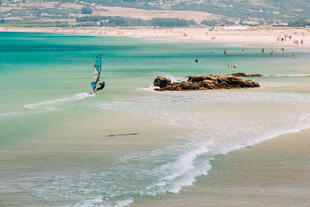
<point x="268" y="37"/>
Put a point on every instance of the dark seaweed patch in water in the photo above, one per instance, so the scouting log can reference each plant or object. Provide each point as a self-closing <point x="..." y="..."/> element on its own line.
<point x="115" y="135"/>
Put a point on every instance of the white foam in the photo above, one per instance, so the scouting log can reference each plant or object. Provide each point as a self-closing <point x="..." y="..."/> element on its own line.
<point x="90" y="202"/>
<point x="191" y="177"/>
<point x="289" y="75"/>
<point x="303" y="123"/>
<point x="123" y="203"/>
<point x="50" y="104"/>
<point x="9" y="114"/>
<point x="98" y="201"/>
<point x="149" y="89"/>
<point x="174" y="78"/>
<point x="181" y="172"/>
<point x="186" y="162"/>
<point x="46" y="104"/>
<point x="185" y="170"/>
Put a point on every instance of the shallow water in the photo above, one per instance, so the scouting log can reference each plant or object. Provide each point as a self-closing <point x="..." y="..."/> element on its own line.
<point x="60" y="146"/>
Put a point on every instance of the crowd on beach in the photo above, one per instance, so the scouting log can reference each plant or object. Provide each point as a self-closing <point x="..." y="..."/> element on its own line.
<point x="283" y="37"/>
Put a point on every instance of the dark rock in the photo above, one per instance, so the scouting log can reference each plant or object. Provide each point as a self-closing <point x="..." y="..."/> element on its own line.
<point x="161" y="82"/>
<point x="205" y="82"/>
<point x="255" y="75"/>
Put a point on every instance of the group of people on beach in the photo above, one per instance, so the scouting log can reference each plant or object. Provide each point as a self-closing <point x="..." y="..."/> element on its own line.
<point x="289" y="37"/>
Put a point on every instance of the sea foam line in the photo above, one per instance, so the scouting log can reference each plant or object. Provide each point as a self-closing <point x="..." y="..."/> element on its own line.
<point x="288" y="75"/>
<point x="303" y="124"/>
<point x="187" y="160"/>
<point x="185" y="172"/>
<point x="97" y="201"/>
<point x="9" y="114"/>
<point x="50" y="104"/>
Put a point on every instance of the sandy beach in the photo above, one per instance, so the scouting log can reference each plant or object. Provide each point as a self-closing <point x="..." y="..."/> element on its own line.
<point x="282" y="37"/>
<point x="273" y="173"/>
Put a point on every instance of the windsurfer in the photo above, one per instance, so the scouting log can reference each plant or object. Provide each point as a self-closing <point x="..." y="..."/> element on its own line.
<point x="96" y="73"/>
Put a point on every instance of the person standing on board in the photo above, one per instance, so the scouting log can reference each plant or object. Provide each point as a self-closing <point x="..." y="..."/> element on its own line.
<point x="96" y="74"/>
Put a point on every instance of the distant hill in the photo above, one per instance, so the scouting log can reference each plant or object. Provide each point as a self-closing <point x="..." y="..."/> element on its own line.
<point x="217" y="12"/>
<point x="267" y="10"/>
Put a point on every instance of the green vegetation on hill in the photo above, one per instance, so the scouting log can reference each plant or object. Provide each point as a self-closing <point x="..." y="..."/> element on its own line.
<point x="86" y="10"/>
<point x="122" y="21"/>
<point x="266" y="10"/>
<point x="299" y="23"/>
<point x="172" y="22"/>
<point x="246" y="12"/>
<point x="217" y="22"/>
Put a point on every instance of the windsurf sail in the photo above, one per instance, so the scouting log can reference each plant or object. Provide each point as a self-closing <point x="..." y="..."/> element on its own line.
<point x="97" y="69"/>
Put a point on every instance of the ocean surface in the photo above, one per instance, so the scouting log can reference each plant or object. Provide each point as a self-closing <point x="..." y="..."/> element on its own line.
<point x="62" y="147"/>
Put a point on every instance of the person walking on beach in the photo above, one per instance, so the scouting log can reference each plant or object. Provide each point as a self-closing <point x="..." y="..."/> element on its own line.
<point x="263" y="50"/>
<point x="225" y="52"/>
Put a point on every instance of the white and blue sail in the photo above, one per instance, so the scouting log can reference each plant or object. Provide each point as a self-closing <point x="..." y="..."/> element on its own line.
<point x="97" y="70"/>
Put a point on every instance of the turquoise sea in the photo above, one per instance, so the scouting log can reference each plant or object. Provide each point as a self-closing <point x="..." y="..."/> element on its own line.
<point x="61" y="146"/>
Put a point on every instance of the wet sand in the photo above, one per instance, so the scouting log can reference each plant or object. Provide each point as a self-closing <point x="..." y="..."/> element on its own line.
<point x="274" y="173"/>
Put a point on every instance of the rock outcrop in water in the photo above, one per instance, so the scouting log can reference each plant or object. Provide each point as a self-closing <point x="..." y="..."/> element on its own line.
<point x="162" y="82"/>
<point x="247" y="75"/>
<point x="204" y="82"/>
